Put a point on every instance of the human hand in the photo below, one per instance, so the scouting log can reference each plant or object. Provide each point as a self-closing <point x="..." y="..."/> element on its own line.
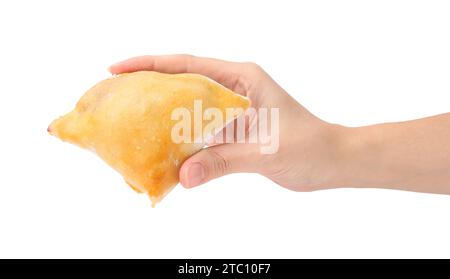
<point x="307" y="153"/>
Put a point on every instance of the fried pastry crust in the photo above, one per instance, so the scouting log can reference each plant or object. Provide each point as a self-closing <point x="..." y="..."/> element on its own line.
<point x="127" y="121"/>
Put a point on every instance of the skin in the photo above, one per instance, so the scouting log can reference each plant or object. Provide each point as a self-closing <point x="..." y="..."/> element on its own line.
<point x="412" y="155"/>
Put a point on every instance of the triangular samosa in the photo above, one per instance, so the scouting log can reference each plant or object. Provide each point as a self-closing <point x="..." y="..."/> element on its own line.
<point x="127" y="120"/>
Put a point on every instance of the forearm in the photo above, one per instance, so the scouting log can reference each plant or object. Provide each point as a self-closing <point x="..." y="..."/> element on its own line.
<point x="412" y="155"/>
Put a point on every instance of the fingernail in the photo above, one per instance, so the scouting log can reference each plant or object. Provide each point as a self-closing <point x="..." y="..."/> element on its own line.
<point x="196" y="175"/>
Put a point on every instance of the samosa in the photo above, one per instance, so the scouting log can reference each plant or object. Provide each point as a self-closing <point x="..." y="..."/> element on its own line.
<point x="128" y="121"/>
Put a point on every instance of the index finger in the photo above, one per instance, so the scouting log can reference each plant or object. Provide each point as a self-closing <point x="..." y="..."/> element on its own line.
<point x="221" y="71"/>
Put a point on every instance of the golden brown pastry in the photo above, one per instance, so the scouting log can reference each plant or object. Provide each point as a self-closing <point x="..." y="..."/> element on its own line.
<point x="127" y="121"/>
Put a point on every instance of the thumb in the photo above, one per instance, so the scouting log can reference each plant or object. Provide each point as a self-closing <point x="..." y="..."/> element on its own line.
<point x="216" y="161"/>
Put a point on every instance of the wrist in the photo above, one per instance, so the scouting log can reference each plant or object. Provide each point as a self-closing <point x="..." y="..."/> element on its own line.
<point x="357" y="159"/>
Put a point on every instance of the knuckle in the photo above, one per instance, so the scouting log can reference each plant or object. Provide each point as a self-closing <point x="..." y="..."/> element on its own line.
<point x="186" y="58"/>
<point x="253" y="67"/>
<point x="188" y="62"/>
<point x="220" y="165"/>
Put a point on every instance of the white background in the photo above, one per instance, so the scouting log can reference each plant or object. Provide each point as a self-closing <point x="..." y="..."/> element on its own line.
<point x="349" y="62"/>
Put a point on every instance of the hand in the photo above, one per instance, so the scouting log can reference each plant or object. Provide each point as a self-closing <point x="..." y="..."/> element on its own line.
<point x="313" y="154"/>
<point x="307" y="145"/>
